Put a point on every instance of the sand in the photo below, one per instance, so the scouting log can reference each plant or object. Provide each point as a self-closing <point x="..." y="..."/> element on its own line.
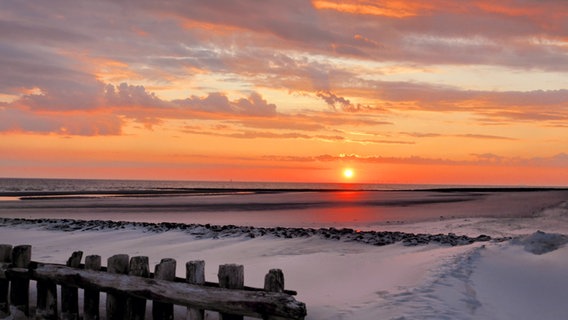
<point x="349" y="280"/>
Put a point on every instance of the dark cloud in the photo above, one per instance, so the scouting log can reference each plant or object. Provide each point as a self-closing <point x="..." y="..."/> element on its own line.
<point x="335" y="101"/>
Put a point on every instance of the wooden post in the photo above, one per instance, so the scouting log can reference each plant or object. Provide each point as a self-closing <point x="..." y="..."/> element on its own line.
<point x="231" y="276"/>
<point x="195" y="274"/>
<point x="274" y="281"/>
<point x="136" y="307"/>
<point x="165" y="270"/>
<point x="19" y="288"/>
<point x="115" y="302"/>
<point x="70" y="295"/>
<point x="6" y="257"/>
<point x="92" y="297"/>
<point x="46" y="300"/>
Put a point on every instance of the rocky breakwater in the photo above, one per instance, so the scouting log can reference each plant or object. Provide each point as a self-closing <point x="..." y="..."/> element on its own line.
<point x="208" y="231"/>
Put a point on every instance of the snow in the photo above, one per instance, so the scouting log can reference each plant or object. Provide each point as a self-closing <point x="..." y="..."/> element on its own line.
<point x="524" y="278"/>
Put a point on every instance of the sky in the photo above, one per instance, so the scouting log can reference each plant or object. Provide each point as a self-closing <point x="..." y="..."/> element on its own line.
<point x="440" y="92"/>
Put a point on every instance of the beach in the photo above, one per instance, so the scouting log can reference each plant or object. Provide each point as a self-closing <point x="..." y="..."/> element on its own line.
<point x="516" y="270"/>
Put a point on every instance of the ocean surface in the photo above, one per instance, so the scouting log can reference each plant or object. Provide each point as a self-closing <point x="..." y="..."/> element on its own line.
<point x="18" y="187"/>
<point x="265" y="204"/>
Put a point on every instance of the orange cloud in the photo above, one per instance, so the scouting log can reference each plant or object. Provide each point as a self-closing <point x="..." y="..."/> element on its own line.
<point x="397" y="9"/>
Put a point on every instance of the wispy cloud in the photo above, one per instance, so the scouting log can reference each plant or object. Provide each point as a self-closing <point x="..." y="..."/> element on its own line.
<point x="558" y="160"/>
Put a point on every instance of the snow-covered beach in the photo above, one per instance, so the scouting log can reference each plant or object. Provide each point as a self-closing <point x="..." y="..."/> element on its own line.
<point x="523" y="277"/>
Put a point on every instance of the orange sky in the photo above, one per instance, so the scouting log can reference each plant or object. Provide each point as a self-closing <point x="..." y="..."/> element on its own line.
<point x="469" y="92"/>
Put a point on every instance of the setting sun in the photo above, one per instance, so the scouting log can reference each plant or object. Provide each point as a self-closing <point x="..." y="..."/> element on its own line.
<point x="348" y="173"/>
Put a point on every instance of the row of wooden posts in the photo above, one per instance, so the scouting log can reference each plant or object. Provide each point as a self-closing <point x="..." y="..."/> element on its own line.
<point x="129" y="284"/>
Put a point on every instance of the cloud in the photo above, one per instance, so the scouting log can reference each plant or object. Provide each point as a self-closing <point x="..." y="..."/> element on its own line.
<point x="254" y="105"/>
<point x="125" y="95"/>
<point x="294" y="20"/>
<point x="16" y="31"/>
<point x="249" y="134"/>
<point x="44" y="79"/>
<point x="85" y="124"/>
<point x="487" y="159"/>
<point x="50" y="58"/>
<point x="335" y="101"/>
<point x="484" y="137"/>
<point x="60" y="111"/>
<point x="465" y="135"/>
<point x="535" y="105"/>
<point x="559" y="160"/>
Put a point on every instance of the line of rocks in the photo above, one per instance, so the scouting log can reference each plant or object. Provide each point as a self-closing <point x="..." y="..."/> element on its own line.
<point x="208" y="231"/>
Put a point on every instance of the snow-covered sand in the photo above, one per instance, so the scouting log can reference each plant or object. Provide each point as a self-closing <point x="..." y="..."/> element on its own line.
<point x="348" y="280"/>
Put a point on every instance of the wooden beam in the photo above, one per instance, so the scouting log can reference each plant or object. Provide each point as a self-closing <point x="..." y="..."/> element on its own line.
<point x="233" y="301"/>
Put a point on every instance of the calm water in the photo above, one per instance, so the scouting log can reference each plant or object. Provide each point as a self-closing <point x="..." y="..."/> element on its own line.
<point x="262" y="204"/>
<point x="15" y="186"/>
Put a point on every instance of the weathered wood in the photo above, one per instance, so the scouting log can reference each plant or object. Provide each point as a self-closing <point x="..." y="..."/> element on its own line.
<point x="247" y="303"/>
<point x="136" y="307"/>
<point x="195" y="274"/>
<point x="5" y="257"/>
<point x="19" y="288"/>
<point x="116" y="301"/>
<point x="92" y="297"/>
<point x="70" y="295"/>
<point x="231" y="276"/>
<point x="165" y="270"/>
<point x="274" y="281"/>
<point x="46" y="300"/>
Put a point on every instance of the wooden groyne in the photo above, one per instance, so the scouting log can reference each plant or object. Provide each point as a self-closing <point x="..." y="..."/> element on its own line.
<point x="129" y="285"/>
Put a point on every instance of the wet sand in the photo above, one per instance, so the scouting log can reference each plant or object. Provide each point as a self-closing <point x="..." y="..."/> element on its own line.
<point x="311" y="209"/>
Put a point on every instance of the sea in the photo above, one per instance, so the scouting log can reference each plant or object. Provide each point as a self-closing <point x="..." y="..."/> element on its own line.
<point x="265" y="204"/>
<point x="27" y="186"/>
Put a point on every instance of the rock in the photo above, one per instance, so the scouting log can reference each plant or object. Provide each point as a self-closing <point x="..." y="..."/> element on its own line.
<point x="208" y="231"/>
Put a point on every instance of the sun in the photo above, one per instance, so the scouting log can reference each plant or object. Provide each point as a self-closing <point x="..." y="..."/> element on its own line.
<point x="348" y="173"/>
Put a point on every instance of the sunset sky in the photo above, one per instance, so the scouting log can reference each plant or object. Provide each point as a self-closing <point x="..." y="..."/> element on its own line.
<point x="460" y="92"/>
